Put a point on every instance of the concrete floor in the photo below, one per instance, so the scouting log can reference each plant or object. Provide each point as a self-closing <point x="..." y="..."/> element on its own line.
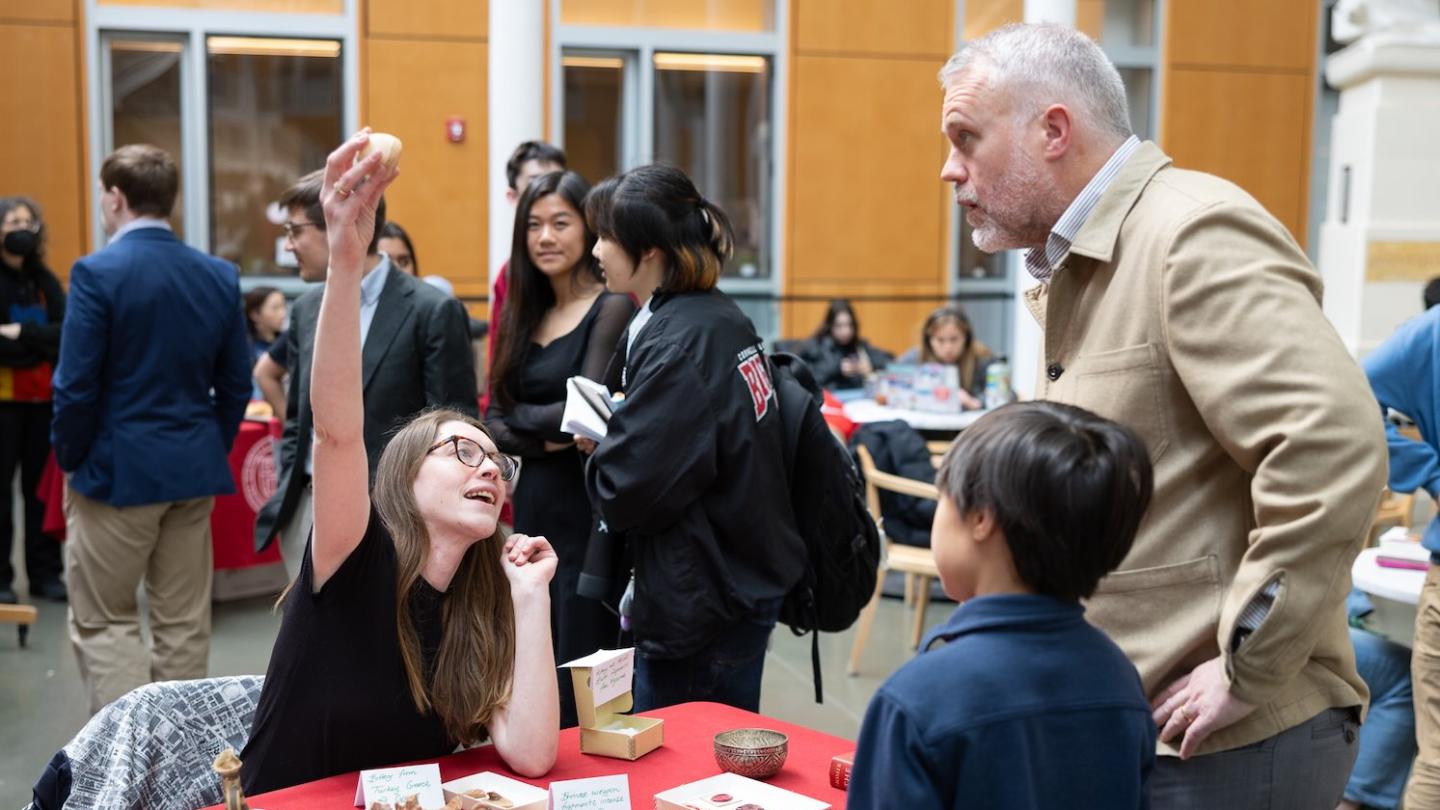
<point x="42" y="703"/>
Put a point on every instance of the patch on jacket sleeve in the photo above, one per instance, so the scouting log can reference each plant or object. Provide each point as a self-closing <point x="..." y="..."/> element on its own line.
<point x="757" y="378"/>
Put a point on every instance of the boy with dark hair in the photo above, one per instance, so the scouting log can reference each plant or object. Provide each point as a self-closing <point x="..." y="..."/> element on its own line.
<point x="1026" y="705"/>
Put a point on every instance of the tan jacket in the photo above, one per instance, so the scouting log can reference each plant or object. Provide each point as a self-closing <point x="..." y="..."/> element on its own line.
<point x="1187" y="312"/>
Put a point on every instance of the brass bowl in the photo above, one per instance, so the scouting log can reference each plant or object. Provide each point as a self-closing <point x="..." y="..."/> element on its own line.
<point x="758" y="753"/>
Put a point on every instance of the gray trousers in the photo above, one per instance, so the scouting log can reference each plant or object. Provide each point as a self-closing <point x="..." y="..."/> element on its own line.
<point x="295" y="534"/>
<point x="1302" y="768"/>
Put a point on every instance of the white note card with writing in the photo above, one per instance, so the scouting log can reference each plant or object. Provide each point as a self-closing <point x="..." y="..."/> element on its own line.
<point x="392" y="785"/>
<point x="598" y="793"/>
<point x="611" y="672"/>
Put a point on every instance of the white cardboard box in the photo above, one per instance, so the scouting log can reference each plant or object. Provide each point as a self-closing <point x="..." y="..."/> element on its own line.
<point x="525" y="797"/>
<point x="736" y="790"/>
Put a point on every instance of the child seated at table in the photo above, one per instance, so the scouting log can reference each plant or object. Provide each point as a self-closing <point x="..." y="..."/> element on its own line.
<point x="1026" y="705"/>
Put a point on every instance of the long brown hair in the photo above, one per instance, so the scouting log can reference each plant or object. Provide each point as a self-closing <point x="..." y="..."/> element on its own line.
<point x="473" y="668"/>
<point x="974" y="352"/>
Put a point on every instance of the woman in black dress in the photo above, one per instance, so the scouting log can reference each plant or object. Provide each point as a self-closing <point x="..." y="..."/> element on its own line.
<point x="559" y="322"/>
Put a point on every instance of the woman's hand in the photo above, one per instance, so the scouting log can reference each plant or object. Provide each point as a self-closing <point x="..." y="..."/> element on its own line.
<point x="584" y="445"/>
<point x="10" y="330"/>
<point x="529" y="562"/>
<point x="969" y="402"/>
<point x="349" y="196"/>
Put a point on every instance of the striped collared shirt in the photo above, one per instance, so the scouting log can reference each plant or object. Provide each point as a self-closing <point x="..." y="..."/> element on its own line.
<point x="1041" y="262"/>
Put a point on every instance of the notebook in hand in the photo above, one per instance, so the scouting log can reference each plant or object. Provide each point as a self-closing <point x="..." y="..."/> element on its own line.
<point x="587" y="408"/>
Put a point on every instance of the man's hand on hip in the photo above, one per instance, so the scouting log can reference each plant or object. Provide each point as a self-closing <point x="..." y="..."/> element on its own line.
<point x="1197" y="705"/>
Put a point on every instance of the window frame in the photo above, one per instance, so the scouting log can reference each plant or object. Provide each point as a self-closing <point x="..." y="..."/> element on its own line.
<point x="191" y="27"/>
<point x="639" y="46"/>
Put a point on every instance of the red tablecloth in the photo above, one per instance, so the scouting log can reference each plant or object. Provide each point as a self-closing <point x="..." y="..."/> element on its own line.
<point x="834" y="412"/>
<point x="232" y="524"/>
<point x="687" y="755"/>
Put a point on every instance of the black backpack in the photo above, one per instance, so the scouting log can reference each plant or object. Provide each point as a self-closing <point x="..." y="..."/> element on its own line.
<point x="828" y="496"/>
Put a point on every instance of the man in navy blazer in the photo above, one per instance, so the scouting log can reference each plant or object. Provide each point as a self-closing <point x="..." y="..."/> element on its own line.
<point x="152" y="382"/>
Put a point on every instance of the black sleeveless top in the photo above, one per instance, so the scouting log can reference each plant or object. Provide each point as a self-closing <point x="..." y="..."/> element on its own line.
<point x="336" y="698"/>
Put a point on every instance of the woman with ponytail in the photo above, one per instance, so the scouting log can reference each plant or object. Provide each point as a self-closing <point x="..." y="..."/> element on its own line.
<point x="691" y="471"/>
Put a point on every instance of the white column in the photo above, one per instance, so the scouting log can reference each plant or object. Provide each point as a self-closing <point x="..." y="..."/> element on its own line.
<point x="1051" y="11"/>
<point x="1380" y="240"/>
<point x="516" y="91"/>
<point x="1027" y="342"/>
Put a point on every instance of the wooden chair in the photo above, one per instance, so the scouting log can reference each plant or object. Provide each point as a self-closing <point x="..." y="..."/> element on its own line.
<point x="21" y="615"/>
<point x="919" y="562"/>
<point x="1395" y="509"/>
<point x="937" y="450"/>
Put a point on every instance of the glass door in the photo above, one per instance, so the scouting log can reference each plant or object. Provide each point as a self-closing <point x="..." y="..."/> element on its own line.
<point x="144" y="86"/>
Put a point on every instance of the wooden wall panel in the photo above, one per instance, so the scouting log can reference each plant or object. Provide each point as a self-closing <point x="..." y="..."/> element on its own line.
<point x="1238" y="97"/>
<point x="43" y="65"/>
<point x="984" y="16"/>
<point x="864" y="180"/>
<point x="710" y="15"/>
<point x="890" y="325"/>
<point x="412" y="86"/>
<point x="1242" y="33"/>
<point x="1249" y="128"/>
<point x="450" y="19"/>
<point x="266" y="6"/>
<point x="38" y="11"/>
<point x="855" y="27"/>
<point x="1090" y="17"/>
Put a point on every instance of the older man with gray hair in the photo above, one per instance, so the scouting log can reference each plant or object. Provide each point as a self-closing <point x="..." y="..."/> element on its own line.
<point x="1173" y="303"/>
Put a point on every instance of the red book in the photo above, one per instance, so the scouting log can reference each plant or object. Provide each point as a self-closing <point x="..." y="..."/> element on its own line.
<point x="840" y="767"/>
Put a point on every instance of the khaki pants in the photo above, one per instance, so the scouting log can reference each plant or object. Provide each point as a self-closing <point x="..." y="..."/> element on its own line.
<point x="295" y="534"/>
<point x="1423" y="789"/>
<point x="109" y="551"/>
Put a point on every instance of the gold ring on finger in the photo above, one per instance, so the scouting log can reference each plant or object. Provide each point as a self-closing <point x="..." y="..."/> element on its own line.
<point x="1185" y="713"/>
<point x="342" y="191"/>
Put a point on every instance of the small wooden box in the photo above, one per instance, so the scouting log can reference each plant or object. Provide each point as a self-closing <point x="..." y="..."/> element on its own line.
<point x="605" y="730"/>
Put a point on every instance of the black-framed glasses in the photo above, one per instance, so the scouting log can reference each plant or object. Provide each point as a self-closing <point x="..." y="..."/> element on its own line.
<point x="471" y="454"/>
<point x="293" y="229"/>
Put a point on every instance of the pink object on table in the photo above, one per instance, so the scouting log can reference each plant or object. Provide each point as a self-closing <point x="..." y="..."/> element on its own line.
<point x="1402" y="562"/>
<point x="688" y="755"/>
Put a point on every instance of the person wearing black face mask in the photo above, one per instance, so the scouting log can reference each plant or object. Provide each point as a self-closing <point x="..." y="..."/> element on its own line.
<point x="32" y="305"/>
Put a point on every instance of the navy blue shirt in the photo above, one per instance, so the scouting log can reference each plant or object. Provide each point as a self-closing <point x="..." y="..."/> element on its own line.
<point x="1026" y="706"/>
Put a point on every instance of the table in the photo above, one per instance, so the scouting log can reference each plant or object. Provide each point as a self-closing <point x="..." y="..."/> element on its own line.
<point x="687" y="755"/>
<point x="1394" y="592"/>
<point x="232" y="523"/>
<point x="868" y="410"/>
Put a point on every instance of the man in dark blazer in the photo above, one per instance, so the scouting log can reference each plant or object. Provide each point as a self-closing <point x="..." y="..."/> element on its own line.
<point x="416" y="354"/>
<point x="151" y="385"/>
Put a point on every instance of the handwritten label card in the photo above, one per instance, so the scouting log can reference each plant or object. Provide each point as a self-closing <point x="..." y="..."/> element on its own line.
<point x="611" y="672"/>
<point x="599" y="793"/>
<point x="392" y="785"/>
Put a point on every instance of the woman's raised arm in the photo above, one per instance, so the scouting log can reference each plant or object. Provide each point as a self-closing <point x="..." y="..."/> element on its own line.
<point x="350" y="194"/>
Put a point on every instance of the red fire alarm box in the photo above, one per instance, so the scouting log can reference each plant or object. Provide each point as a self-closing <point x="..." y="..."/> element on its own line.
<point x="455" y="129"/>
